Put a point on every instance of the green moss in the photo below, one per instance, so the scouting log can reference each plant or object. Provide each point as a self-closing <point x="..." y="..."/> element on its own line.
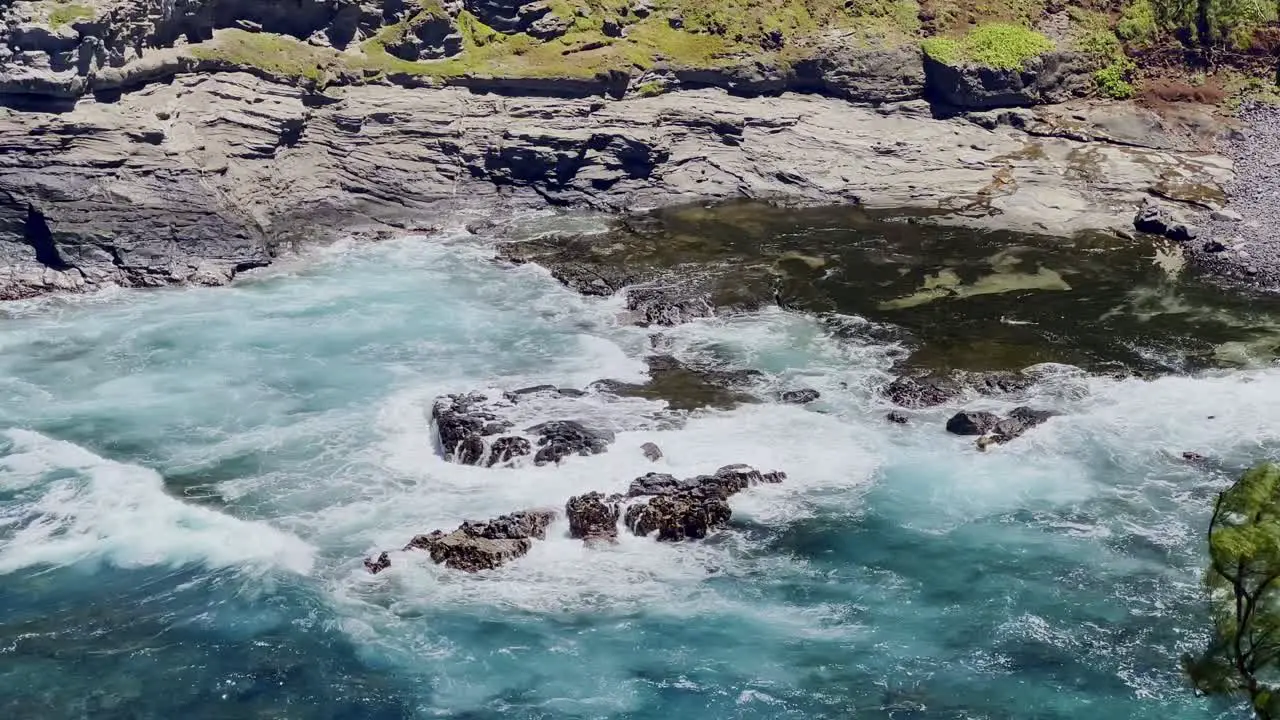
<point x="63" y="13"/>
<point x="276" y="54"/>
<point x="996" y="45"/>
<point x="651" y="88"/>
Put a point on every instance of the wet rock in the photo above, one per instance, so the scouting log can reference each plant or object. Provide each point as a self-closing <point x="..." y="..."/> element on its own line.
<point x="896" y="417"/>
<point x="477" y="227"/>
<point x="1194" y="457"/>
<point x="378" y="564"/>
<point x="1156" y="219"/>
<point x="559" y="439"/>
<point x="921" y="391"/>
<point x="461" y="423"/>
<point x="667" y="306"/>
<point x="593" y="516"/>
<point x="969" y="422"/>
<point x="799" y="397"/>
<point x="653" y="484"/>
<point x="478" y="546"/>
<point x="505" y="449"/>
<point x="1019" y="421"/>
<point x="651" y="451"/>
<point x="680" y="516"/>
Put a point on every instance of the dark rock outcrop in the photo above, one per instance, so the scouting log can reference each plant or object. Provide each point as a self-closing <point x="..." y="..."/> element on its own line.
<point x="559" y="439"/>
<point x="1154" y="218"/>
<point x="969" y="422"/>
<point x="1018" y="422"/>
<point x="475" y="546"/>
<point x="689" y="509"/>
<point x="593" y="516"/>
<point x="462" y="422"/>
<point x="478" y="546"/>
<point x="1052" y="77"/>
<point x="799" y="397"/>
<point x="651" y="451"/>
<point x="921" y="391"/>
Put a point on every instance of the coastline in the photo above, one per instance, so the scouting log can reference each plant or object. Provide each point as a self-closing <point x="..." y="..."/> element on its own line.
<point x="195" y="179"/>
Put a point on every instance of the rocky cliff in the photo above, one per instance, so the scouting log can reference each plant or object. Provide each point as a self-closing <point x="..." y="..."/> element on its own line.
<point x="141" y="145"/>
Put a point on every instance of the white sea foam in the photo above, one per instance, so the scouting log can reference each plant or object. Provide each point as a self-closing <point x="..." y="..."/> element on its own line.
<point x="73" y="506"/>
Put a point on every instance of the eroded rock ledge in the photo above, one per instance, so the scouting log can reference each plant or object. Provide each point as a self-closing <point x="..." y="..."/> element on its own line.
<point x="197" y="179"/>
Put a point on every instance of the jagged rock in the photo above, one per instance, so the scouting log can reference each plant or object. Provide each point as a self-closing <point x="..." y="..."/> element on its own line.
<point x="667" y="305"/>
<point x="651" y="451"/>
<point x="506" y="449"/>
<point x="462" y="421"/>
<point x="971" y="422"/>
<point x="1154" y="218"/>
<point x="377" y="565"/>
<point x="484" y="546"/>
<point x="1019" y="421"/>
<point x="689" y="509"/>
<point x="1194" y="457"/>
<point x="427" y="39"/>
<point x="921" y="391"/>
<point x="799" y="397"/>
<point x="559" y="439"/>
<point x="678" y="516"/>
<point x="896" y="417"/>
<point x="1051" y="77"/>
<point x="653" y="484"/>
<point x="593" y="516"/>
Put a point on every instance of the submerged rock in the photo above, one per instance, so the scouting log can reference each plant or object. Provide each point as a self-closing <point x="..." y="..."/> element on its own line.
<point x="462" y="421"/>
<point x="507" y="448"/>
<point x="593" y="516"/>
<point x="896" y="417"/>
<point x="799" y="397"/>
<point x="651" y="451"/>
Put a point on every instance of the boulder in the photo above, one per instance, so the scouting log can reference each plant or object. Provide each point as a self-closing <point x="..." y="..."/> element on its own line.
<point x="799" y="397"/>
<point x="559" y="439"/>
<point x="378" y="564"/>
<point x="593" y="516"/>
<point x="507" y="448"/>
<point x="478" y="546"/>
<point x="1019" y="421"/>
<point x="651" y="451"/>
<point x="689" y="509"/>
<point x="921" y="391"/>
<point x="896" y="417"/>
<point x="1154" y="218"/>
<point x="462" y="421"/>
<point x="970" y="422"/>
<point x="653" y="484"/>
<point x="679" y="516"/>
<point x="1049" y="78"/>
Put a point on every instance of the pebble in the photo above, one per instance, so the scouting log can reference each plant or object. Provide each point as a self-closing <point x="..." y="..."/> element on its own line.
<point x="1254" y="206"/>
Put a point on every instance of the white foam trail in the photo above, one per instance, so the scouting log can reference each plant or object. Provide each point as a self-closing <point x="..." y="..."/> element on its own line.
<point x="73" y="506"/>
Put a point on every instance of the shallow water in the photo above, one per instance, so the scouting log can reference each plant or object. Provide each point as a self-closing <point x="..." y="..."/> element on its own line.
<point x="190" y="478"/>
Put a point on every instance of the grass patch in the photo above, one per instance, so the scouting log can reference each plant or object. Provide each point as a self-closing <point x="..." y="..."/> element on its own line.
<point x="650" y="89"/>
<point x="996" y="45"/>
<point x="63" y="13"/>
<point x="277" y="54"/>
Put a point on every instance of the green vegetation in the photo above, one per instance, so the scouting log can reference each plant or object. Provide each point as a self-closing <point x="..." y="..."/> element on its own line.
<point x="1243" y="656"/>
<point x="996" y="45"/>
<point x="276" y="54"/>
<point x="63" y="13"/>
<point x="1137" y="24"/>
<point x="650" y="89"/>
<point x="1114" y="80"/>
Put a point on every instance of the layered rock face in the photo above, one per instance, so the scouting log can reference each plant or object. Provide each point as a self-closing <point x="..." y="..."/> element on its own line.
<point x="130" y="157"/>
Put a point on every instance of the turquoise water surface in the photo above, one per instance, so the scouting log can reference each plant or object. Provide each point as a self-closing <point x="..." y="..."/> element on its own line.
<point x="190" y="478"/>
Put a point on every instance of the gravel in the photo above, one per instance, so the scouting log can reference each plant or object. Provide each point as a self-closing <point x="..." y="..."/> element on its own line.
<point x="1242" y="240"/>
